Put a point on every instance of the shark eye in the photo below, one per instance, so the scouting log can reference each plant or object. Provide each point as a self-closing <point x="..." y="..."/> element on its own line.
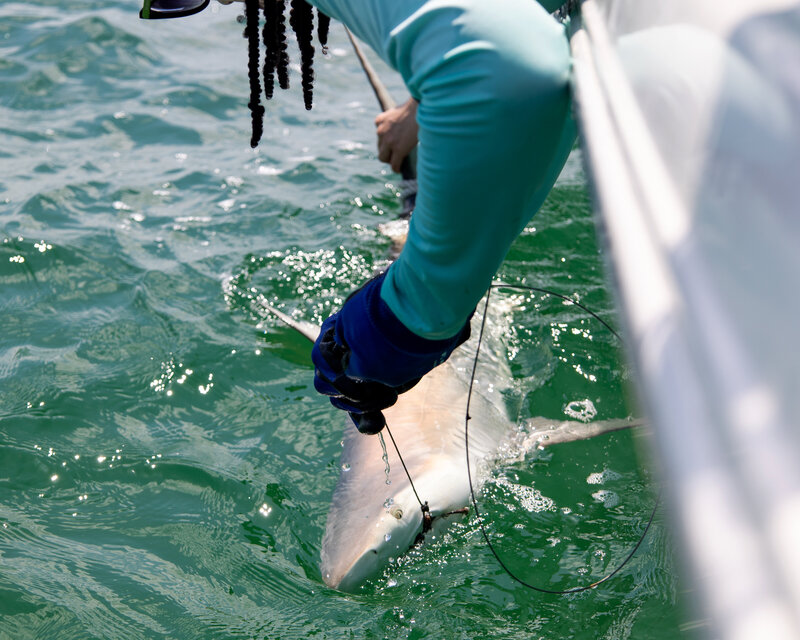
<point x="397" y="512"/>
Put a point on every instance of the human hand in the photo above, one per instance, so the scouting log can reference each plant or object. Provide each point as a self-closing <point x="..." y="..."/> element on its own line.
<point x="364" y="400"/>
<point x="397" y="133"/>
<point x="348" y="387"/>
<point x="365" y="357"/>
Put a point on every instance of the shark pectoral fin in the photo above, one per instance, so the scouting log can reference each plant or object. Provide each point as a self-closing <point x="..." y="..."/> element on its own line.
<point x="544" y="432"/>
<point x="307" y="329"/>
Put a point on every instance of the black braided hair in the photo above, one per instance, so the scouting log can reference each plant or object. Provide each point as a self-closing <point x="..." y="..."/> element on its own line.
<point x="270" y="37"/>
<point x="301" y="19"/>
<point x="323" y="24"/>
<point x="276" y="59"/>
<point x="255" y="106"/>
<point x="283" y="53"/>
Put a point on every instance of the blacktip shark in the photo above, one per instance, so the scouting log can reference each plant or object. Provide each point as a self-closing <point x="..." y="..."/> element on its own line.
<point x="371" y="521"/>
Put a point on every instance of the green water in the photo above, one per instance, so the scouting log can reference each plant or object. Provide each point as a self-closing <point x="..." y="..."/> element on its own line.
<point x="165" y="466"/>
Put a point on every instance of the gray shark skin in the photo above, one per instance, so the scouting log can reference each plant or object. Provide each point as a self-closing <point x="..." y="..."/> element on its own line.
<point x="369" y="521"/>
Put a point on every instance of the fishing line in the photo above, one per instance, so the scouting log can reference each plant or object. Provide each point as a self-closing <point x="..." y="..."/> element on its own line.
<point x="427" y="518"/>
<point x="467" y="418"/>
<point x="405" y="468"/>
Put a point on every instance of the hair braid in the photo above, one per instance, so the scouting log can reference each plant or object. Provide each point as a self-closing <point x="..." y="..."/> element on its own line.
<point x="301" y="19"/>
<point x="270" y="38"/>
<point x="276" y="59"/>
<point x="323" y="24"/>
<point x="256" y="109"/>
<point x="283" y="54"/>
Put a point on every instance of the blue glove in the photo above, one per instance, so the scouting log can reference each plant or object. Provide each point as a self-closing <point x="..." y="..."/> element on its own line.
<point x="365" y="357"/>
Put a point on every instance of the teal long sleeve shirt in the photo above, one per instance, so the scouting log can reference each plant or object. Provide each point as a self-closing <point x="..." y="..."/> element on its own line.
<point x="495" y="128"/>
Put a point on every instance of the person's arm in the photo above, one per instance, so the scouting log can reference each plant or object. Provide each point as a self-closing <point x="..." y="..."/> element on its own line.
<point x="494" y="130"/>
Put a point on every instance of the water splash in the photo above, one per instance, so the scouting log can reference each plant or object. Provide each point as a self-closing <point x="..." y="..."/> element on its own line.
<point x="583" y="410"/>
<point x="385" y="458"/>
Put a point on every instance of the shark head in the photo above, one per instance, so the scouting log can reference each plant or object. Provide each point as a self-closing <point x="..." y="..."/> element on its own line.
<point x="370" y="521"/>
<point x="380" y="524"/>
<point x="361" y="545"/>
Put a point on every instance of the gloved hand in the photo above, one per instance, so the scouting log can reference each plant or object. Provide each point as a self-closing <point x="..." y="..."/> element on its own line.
<point x="365" y="357"/>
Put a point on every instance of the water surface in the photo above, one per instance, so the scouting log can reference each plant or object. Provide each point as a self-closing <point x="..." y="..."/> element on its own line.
<point x="165" y="466"/>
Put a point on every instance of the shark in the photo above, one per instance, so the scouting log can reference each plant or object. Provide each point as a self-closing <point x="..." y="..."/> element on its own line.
<point x="376" y="513"/>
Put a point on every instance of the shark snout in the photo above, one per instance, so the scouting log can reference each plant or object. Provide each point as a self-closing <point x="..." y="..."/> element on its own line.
<point x="353" y="557"/>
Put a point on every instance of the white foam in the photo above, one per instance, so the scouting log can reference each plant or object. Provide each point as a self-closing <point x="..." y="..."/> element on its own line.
<point x="583" y="410"/>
